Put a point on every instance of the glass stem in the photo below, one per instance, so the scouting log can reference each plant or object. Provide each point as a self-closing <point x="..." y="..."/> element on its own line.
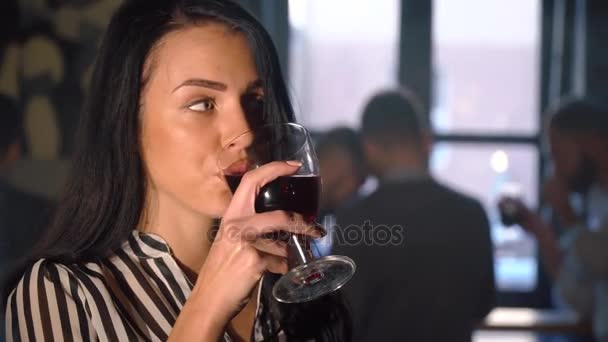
<point x="300" y="253"/>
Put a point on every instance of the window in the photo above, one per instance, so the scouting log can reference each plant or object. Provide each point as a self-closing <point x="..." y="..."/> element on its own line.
<point x="339" y="58"/>
<point x="485" y="55"/>
<point x="485" y="111"/>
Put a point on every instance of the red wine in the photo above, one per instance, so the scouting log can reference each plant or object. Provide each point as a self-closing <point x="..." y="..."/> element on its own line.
<point x="299" y="194"/>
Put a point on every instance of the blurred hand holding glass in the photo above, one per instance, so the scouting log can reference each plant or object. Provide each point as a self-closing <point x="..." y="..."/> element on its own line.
<point x="509" y="205"/>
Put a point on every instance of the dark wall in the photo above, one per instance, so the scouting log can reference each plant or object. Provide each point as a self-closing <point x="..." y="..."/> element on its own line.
<point x="597" y="48"/>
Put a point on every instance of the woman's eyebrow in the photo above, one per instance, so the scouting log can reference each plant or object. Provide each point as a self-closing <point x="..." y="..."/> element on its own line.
<point x="199" y="82"/>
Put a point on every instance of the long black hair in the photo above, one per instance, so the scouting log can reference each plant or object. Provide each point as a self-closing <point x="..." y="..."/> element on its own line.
<point x="105" y="195"/>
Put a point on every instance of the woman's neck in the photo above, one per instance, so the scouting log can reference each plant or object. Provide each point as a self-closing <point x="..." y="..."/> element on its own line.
<point x="188" y="233"/>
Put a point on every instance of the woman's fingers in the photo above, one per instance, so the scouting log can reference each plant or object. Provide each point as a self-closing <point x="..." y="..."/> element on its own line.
<point x="244" y="198"/>
<point x="266" y="224"/>
<point x="253" y="259"/>
<point x="271" y="246"/>
<point x="274" y="264"/>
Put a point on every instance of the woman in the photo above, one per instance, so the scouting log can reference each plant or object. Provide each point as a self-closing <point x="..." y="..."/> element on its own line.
<point x="129" y="256"/>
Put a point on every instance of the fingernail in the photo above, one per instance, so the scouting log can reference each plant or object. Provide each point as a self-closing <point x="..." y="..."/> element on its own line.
<point x="293" y="163"/>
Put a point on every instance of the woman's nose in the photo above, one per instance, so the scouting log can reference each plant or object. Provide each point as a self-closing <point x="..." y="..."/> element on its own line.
<point x="234" y="124"/>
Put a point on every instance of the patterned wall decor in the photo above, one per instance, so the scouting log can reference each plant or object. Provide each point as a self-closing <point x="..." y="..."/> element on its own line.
<point x="46" y="66"/>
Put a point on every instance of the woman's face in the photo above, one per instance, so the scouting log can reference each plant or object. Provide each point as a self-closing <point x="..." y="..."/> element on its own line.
<point x="200" y="79"/>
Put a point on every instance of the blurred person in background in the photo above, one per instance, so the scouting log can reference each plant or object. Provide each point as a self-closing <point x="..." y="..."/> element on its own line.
<point x="22" y="215"/>
<point x="424" y="255"/>
<point x="343" y="173"/>
<point x="343" y="169"/>
<point x="578" y="259"/>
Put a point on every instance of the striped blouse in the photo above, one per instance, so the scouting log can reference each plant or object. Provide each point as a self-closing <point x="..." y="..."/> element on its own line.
<point x="135" y="295"/>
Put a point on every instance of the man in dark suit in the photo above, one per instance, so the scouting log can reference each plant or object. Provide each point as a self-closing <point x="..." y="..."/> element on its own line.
<point x="423" y="251"/>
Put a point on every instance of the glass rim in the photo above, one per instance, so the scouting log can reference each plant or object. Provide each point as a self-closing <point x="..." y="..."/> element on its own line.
<point x="291" y="124"/>
<point x="288" y="124"/>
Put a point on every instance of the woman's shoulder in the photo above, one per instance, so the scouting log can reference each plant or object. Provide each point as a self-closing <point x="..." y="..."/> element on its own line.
<point x="53" y="299"/>
<point x="45" y="275"/>
<point x="47" y="267"/>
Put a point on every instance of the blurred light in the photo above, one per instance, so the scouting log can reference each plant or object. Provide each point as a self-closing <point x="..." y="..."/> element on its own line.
<point x="511" y="189"/>
<point x="298" y="13"/>
<point x="499" y="161"/>
<point x="440" y="158"/>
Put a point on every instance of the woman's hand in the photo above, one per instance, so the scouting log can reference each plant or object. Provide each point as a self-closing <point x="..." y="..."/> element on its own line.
<point x="240" y="255"/>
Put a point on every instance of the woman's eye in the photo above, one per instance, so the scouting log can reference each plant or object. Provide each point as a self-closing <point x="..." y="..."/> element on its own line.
<point x="203" y="105"/>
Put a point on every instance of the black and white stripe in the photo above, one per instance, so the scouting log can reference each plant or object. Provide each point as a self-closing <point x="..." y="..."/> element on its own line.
<point x="134" y="295"/>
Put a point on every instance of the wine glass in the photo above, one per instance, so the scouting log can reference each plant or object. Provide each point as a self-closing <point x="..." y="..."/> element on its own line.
<point x="509" y="204"/>
<point x="308" y="278"/>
